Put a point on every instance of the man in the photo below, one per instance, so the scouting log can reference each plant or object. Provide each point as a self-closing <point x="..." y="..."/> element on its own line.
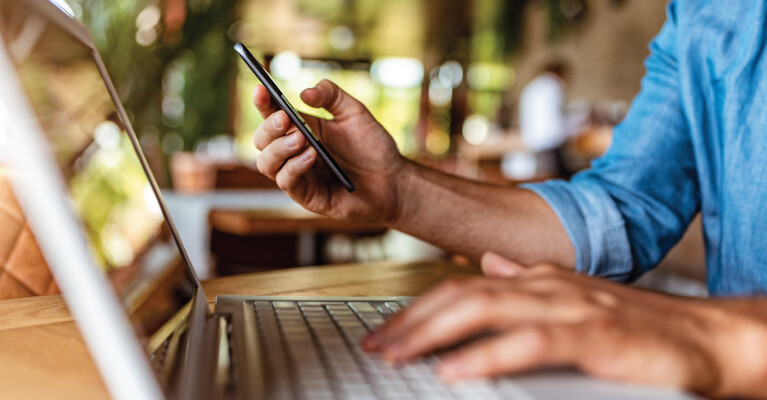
<point x="542" y="119"/>
<point x="695" y="140"/>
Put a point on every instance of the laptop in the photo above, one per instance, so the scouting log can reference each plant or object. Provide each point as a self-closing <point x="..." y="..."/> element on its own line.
<point x="77" y="168"/>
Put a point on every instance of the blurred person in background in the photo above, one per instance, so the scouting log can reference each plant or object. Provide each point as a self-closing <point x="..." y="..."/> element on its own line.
<point x="694" y="140"/>
<point x="542" y="118"/>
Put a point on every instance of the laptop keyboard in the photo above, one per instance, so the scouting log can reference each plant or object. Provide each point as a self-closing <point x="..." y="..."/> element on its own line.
<point x="312" y="352"/>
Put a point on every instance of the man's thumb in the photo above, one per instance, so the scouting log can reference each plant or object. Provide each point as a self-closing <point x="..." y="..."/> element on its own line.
<point x="329" y="96"/>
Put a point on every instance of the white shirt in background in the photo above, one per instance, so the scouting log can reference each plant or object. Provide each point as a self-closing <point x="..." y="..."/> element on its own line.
<point x="542" y="113"/>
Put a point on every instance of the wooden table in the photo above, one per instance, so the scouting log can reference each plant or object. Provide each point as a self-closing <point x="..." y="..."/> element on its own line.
<point x="249" y="222"/>
<point x="42" y="355"/>
<point x="247" y="241"/>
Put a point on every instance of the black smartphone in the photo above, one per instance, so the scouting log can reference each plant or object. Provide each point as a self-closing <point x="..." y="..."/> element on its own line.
<point x="294" y="116"/>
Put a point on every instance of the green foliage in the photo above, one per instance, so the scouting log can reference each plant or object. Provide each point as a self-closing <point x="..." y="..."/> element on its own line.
<point x="198" y="56"/>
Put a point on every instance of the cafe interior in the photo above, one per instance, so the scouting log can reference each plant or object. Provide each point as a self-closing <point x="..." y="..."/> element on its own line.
<point x="443" y="77"/>
<point x="447" y="79"/>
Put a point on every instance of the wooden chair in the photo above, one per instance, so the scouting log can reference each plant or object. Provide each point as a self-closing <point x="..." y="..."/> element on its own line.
<point x="23" y="270"/>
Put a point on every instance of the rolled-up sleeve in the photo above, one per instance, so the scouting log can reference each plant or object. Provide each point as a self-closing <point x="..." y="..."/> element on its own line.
<point x="626" y="212"/>
<point x="594" y="225"/>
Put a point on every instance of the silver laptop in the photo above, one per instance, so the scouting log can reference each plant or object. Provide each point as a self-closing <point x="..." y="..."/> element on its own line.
<point x="85" y="187"/>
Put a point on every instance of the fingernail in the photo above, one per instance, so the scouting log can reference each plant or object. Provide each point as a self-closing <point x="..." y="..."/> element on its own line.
<point x="276" y="122"/>
<point x="307" y="155"/>
<point x="291" y="140"/>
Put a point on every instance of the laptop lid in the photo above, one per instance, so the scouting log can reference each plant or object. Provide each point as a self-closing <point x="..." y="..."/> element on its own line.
<point x="88" y="194"/>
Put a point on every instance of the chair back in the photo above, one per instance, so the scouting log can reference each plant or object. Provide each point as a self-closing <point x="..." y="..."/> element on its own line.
<point x="23" y="270"/>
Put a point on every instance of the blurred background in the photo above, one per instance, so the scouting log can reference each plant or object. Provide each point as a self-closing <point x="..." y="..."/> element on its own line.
<point x="506" y="91"/>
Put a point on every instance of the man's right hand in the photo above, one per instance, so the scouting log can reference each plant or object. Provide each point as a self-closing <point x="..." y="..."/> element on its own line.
<point x="459" y="215"/>
<point x="356" y="140"/>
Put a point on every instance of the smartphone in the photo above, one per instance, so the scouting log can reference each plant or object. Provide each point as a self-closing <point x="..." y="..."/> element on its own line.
<point x="294" y="116"/>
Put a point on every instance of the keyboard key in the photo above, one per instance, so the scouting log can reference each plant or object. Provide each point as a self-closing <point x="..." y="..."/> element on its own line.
<point x="416" y="372"/>
<point x="284" y="305"/>
<point x="303" y="304"/>
<point x="395" y="307"/>
<point x="386" y="311"/>
<point x="361" y="307"/>
<point x="374" y="322"/>
<point x="393" y="389"/>
<point x="315" y="387"/>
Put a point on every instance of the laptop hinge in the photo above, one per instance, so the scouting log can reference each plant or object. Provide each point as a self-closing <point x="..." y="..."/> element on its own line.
<point x="197" y="359"/>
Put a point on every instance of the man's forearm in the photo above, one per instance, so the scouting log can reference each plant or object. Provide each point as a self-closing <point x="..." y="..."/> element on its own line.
<point x="470" y="218"/>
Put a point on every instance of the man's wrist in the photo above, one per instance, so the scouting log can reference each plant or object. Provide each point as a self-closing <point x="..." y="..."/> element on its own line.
<point x="406" y="198"/>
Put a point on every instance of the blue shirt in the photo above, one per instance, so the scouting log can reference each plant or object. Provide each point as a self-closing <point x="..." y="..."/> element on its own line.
<point x="695" y="140"/>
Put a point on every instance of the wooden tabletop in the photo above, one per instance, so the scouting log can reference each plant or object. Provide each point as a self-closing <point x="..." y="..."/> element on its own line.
<point x="249" y="222"/>
<point x="42" y="355"/>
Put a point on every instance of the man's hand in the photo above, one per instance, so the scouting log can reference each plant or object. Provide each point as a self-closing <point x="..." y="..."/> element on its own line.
<point x="398" y="193"/>
<point x="356" y="140"/>
<point x="544" y="316"/>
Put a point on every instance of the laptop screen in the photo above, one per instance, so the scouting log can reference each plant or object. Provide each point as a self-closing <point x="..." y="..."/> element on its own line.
<point x="128" y="236"/>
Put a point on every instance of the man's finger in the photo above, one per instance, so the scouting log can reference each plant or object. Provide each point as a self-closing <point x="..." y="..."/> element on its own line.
<point x="263" y="101"/>
<point x="521" y="350"/>
<point x="499" y="267"/>
<point x="274" y="127"/>
<point x="329" y="96"/>
<point x="276" y="153"/>
<point x="291" y="173"/>
<point x="491" y="307"/>
<point x="422" y="308"/>
<point x="488" y="309"/>
<point x="460" y="320"/>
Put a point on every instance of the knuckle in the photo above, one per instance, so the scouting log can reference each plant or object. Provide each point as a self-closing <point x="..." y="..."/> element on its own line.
<point x="484" y="298"/>
<point x="431" y="328"/>
<point x="287" y="176"/>
<point x="484" y="359"/>
<point x="264" y="165"/>
<point x="283" y="182"/>
<point x="603" y="298"/>
<point x="260" y="163"/>
<point x="258" y="138"/>
<point x="546" y="269"/>
<point x="552" y="284"/>
<point x="541" y="338"/>
<point x="496" y="361"/>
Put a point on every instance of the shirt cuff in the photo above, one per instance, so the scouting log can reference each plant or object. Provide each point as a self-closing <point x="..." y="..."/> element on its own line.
<point x="594" y="224"/>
